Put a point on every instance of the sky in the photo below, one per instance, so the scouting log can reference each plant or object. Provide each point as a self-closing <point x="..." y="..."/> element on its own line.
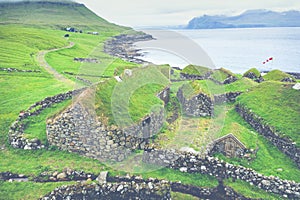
<point x="140" y="13"/>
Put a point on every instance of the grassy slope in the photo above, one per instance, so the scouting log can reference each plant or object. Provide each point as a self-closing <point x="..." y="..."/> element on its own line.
<point x="136" y="95"/>
<point x="29" y="190"/>
<point x="277" y="75"/>
<point x="211" y="88"/>
<point x="54" y="15"/>
<point x="254" y="71"/>
<point x="195" y="70"/>
<point x="278" y="104"/>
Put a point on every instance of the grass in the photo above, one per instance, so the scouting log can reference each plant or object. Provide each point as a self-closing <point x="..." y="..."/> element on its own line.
<point x="195" y="179"/>
<point x="221" y="74"/>
<point x="19" y="45"/>
<point x="132" y="99"/>
<point x="27" y="190"/>
<point x="195" y="70"/>
<point x="277" y="75"/>
<point x="254" y="71"/>
<point x="56" y="15"/>
<point x="35" y="127"/>
<point x="210" y="88"/>
<point x="268" y="160"/>
<point x="88" y="46"/>
<point x="249" y="191"/>
<point x="180" y="196"/>
<point x="279" y="106"/>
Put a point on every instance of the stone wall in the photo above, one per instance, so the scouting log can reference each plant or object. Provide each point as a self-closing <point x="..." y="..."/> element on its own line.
<point x="226" y="98"/>
<point x="199" y="105"/>
<point x="16" y="132"/>
<point x="165" y="95"/>
<point x="76" y="130"/>
<point x="184" y="76"/>
<point x="112" y="191"/>
<point x="192" y="163"/>
<point x="285" y="145"/>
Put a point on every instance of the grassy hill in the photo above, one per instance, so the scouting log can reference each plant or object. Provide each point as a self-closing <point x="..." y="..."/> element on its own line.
<point x="54" y="14"/>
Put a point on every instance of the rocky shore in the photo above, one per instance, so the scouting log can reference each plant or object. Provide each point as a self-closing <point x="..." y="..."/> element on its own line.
<point x="122" y="46"/>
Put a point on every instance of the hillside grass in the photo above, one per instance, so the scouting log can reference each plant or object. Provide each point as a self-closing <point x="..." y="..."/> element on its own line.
<point x="254" y="71"/>
<point x="56" y="15"/>
<point x="35" y="126"/>
<point x="19" y="45"/>
<point x="210" y="88"/>
<point x="88" y="46"/>
<point x="250" y="191"/>
<point x="195" y="70"/>
<point x="129" y="101"/>
<point x="277" y="75"/>
<point x="221" y="74"/>
<point x="278" y="104"/>
<point x="27" y="190"/>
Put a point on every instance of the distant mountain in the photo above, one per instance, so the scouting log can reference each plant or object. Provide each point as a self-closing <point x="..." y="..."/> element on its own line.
<point x="248" y="19"/>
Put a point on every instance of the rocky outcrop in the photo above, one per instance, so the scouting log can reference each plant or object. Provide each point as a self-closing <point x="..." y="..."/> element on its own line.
<point x="112" y="191"/>
<point x="196" y="106"/>
<point x="193" y="163"/>
<point x="75" y="130"/>
<point x="286" y="145"/>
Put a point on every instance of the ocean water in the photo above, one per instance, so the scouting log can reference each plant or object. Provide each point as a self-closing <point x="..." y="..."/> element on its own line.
<point x="235" y="49"/>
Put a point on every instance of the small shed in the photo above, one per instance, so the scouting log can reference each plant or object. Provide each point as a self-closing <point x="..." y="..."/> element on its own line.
<point x="229" y="145"/>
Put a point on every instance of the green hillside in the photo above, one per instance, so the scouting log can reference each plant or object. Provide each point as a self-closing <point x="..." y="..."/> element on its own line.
<point x="278" y="104"/>
<point x="54" y="14"/>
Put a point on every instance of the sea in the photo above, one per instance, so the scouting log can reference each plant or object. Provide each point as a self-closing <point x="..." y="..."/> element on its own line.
<point x="235" y="49"/>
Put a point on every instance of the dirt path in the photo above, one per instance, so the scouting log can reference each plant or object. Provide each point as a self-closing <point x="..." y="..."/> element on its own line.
<point x="43" y="63"/>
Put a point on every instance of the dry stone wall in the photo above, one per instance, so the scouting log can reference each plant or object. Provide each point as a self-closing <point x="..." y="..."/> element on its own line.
<point x="16" y="132"/>
<point x="76" y="130"/>
<point x="287" y="146"/>
<point x="199" y="105"/>
<point x="193" y="163"/>
<point x="112" y="191"/>
<point x="202" y="104"/>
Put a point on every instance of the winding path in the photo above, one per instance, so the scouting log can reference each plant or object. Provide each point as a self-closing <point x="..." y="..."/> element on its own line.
<point x="43" y="63"/>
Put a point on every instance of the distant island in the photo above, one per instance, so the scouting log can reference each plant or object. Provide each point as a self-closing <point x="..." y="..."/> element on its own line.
<point x="248" y="19"/>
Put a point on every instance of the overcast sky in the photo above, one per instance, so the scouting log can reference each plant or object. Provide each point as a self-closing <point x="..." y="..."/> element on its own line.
<point x="177" y="12"/>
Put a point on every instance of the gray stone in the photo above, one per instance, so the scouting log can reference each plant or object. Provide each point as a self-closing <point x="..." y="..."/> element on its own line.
<point x="102" y="177"/>
<point x="61" y="176"/>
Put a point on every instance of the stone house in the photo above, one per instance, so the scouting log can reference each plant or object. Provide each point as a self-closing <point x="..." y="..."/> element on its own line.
<point x="228" y="145"/>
